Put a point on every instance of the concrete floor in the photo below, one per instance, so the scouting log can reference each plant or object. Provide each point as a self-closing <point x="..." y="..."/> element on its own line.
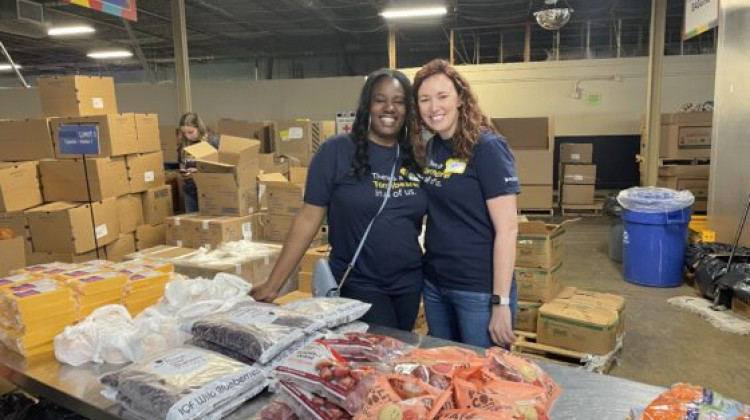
<point x="663" y="344"/>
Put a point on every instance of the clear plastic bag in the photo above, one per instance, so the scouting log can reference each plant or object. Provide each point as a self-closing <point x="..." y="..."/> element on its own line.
<point x="308" y="406"/>
<point x="334" y="311"/>
<point x="655" y="199"/>
<point x="184" y="383"/>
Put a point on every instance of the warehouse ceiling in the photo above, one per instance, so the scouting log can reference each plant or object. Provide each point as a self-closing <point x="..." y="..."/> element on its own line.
<point x="351" y="32"/>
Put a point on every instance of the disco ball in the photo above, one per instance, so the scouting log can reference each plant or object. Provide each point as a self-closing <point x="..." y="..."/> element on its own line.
<point x="553" y="19"/>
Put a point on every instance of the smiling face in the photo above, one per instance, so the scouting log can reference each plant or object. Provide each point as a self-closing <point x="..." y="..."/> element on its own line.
<point x="438" y="103"/>
<point x="387" y="111"/>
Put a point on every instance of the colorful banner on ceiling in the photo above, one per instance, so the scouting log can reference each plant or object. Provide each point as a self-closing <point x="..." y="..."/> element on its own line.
<point x="125" y="9"/>
<point x="700" y="16"/>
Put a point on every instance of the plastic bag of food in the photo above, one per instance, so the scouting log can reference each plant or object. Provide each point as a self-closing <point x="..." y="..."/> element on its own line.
<point x="464" y="414"/>
<point x="184" y="383"/>
<point x="691" y="402"/>
<point x="436" y="366"/>
<point x="277" y="410"/>
<point x="356" y="326"/>
<point x="334" y="311"/>
<point x="309" y="406"/>
<point x="249" y="330"/>
<point x="512" y="367"/>
<point x="358" y="347"/>
<point x="319" y="369"/>
<point x="204" y="344"/>
<point x="384" y="394"/>
<point x="523" y="401"/>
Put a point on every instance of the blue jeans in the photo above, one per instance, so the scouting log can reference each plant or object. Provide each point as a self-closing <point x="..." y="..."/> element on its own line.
<point x="190" y="192"/>
<point x="462" y="316"/>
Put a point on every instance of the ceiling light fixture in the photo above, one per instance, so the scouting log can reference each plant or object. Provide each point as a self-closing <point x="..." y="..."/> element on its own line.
<point x="405" y="13"/>
<point x="70" y="30"/>
<point x="553" y="18"/>
<point x="103" y="55"/>
<point x="7" y="67"/>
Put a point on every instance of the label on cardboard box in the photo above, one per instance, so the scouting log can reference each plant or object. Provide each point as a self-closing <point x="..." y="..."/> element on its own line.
<point x="578" y="177"/>
<point x="247" y="231"/>
<point x="205" y="225"/>
<point x="575" y="156"/>
<point x="148" y="176"/>
<point x="101" y="231"/>
<point x="97" y="103"/>
<point x="294" y="133"/>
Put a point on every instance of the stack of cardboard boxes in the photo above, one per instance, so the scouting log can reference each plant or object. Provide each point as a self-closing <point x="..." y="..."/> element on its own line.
<point x="531" y="140"/>
<point x="577" y="174"/>
<point x="686" y="138"/>
<point x="104" y="200"/>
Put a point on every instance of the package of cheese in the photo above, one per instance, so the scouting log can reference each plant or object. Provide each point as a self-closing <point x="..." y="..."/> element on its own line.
<point x="13" y="320"/>
<point x="148" y="280"/>
<point x="82" y="271"/>
<point x="48" y="270"/>
<point x="136" y="304"/>
<point x="17" y="279"/>
<point x="41" y="334"/>
<point x="98" y="283"/>
<point x="35" y="296"/>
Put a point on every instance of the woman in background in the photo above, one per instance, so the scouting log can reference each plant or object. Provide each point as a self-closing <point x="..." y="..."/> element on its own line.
<point x="192" y="130"/>
<point x="470" y="178"/>
<point x="347" y="181"/>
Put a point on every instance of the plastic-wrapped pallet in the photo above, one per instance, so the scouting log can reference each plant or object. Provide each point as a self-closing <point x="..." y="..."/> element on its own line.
<point x="184" y="383"/>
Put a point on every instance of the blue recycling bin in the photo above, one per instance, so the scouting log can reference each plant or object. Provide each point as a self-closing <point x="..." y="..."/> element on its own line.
<point x="654" y="247"/>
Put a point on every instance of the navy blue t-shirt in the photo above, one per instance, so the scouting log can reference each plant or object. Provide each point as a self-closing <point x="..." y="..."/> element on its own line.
<point x="391" y="259"/>
<point x="460" y="234"/>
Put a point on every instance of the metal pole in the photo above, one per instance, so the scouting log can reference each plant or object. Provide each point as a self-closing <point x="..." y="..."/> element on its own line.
<point x="181" y="64"/>
<point x="453" y="47"/>
<point x="653" y="104"/>
<point x="13" y="66"/>
<point x="588" y="39"/>
<point x="476" y="48"/>
<point x="619" y="38"/>
<point x="527" y="44"/>
<point x="500" y="51"/>
<point x="557" y="45"/>
<point x="392" y="46"/>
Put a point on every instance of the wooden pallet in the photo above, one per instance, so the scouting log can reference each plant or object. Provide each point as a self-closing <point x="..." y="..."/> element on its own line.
<point x="526" y="345"/>
<point x="581" y="209"/>
<point x="537" y="212"/>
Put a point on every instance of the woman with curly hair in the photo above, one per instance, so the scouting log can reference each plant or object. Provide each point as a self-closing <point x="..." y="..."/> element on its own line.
<point x="470" y="178"/>
<point x="347" y="180"/>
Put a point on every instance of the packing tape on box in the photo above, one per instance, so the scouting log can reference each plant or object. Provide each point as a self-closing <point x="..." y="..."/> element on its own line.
<point x="101" y="231"/>
<point x="148" y="176"/>
<point x="176" y="221"/>
<point x="178" y="243"/>
<point x="205" y="225"/>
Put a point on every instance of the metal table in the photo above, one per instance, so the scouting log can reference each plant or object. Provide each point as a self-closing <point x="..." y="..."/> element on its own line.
<point x="585" y="395"/>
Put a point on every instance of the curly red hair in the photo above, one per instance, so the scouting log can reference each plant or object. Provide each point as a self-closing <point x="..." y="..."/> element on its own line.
<point x="471" y="120"/>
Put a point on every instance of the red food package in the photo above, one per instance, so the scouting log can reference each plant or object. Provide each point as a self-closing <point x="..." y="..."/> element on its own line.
<point x="397" y="394"/>
<point x="473" y="415"/>
<point x="363" y="347"/>
<point x="277" y="410"/>
<point x="521" y="401"/>
<point x="436" y="366"/>
<point x="512" y="367"/>
<point x="307" y="405"/>
<point x="320" y="369"/>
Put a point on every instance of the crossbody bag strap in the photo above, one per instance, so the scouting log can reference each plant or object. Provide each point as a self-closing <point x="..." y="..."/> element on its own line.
<point x="367" y="231"/>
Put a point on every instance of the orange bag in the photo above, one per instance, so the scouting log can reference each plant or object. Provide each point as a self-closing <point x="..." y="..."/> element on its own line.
<point x="437" y="366"/>
<point x="519" y="400"/>
<point x="473" y="415"/>
<point x="512" y="367"/>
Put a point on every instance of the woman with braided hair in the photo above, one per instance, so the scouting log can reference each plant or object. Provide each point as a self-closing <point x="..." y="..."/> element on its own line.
<point x="347" y="181"/>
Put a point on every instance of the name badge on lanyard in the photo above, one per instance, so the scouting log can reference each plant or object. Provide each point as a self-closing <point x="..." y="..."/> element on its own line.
<point x="455" y="166"/>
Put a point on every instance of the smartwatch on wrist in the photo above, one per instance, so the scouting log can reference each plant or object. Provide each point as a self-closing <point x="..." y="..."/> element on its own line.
<point x="500" y="300"/>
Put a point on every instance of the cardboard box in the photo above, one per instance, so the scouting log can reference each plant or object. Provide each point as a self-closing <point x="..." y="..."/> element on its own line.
<point x="169" y="143"/>
<point x="526" y="133"/>
<point x="157" y="204"/>
<point x="65" y="179"/>
<point x="19" y="186"/>
<point x="577" y="194"/>
<point x="534" y="166"/>
<point x="219" y="196"/>
<point x="117" y="135"/>
<point x="12" y="254"/>
<point x="175" y="231"/>
<point x="526" y="318"/>
<point x="75" y="96"/>
<point x="586" y="329"/>
<point x="574" y="295"/>
<point x="301" y="139"/>
<point x="576" y="152"/>
<point x="163" y="253"/>
<point x="67" y="228"/>
<point x="579" y="174"/>
<point x="145" y="171"/>
<point x="685" y="141"/>
<point x="269" y="164"/>
<point x="686" y="118"/>
<point x="212" y="232"/>
<point x="311" y="257"/>
<point x="540" y="245"/>
<point x="263" y="179"/>
<point x="298" y="175"/>
<point x="740" y="308"/>
<point x="305" y="282"/>
<point x="147" y="236"/>
<point x="697" y="186"/>
<point x="130" y="212"/>
<point x="48" y="257"/>
<point x="29" y="139"/>
<point x="147" y="132"/>
<point x="284" y="197"/>
<point x="538" y="285"/>
<point x="538" y="197"/>
<point x="124" y="245"/>
<point x="276" y="226"/>
<point x="685" y="171"/>
<point x="18" y="224"/>
<point x="263" y="131"/>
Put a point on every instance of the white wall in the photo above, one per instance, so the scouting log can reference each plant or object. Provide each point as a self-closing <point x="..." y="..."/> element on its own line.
<point x="511" y="90"/>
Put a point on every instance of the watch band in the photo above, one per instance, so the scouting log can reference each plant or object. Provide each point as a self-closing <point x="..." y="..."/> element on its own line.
<point x="500" y="300"/>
